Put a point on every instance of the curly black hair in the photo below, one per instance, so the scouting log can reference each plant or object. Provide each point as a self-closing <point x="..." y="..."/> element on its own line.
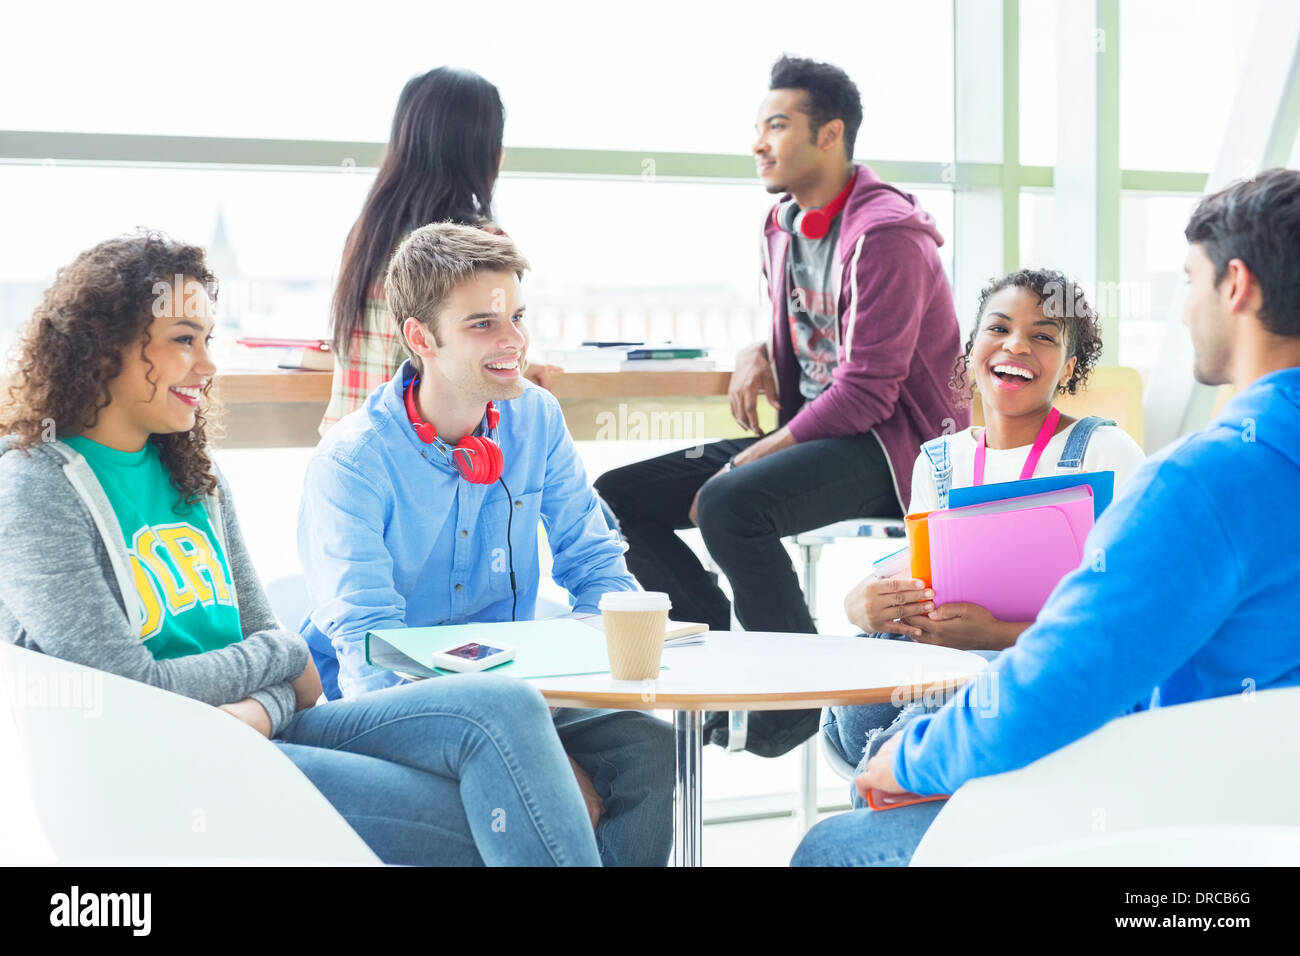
<point x="1063" y="301"/>
<point x="97" y="308"/>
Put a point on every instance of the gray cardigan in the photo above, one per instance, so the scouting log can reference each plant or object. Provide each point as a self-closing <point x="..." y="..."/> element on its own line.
<point x="66" y="588"/>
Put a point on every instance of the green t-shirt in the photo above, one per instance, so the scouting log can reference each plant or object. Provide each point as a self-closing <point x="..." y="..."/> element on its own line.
<point x="180" y="569"/>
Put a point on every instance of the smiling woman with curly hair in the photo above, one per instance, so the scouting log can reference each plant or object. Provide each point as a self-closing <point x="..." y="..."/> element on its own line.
<point x="93" y="322"/>
<point x="1062" y="302"/>
<point x="120" y="550"/>
<point x="1035" y="338"/>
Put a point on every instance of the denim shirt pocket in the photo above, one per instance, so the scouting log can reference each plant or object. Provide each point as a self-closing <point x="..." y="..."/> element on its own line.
<point x="506" y="526"/>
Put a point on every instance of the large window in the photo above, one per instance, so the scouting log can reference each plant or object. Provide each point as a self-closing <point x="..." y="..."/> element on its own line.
<point x="1180" y="62"/>
<point x="674" y="75"/>
<point x="612" y="257"/>
<point x="1038" y="53"/>
<point x="1152" y="251"/>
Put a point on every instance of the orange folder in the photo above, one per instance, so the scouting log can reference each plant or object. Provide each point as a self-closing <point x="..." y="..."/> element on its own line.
<point x="918" y="543"/>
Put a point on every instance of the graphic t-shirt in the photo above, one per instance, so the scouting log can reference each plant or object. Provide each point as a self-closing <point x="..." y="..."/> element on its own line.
<point x="814" y="313"/>
<point x="177" y="562"/>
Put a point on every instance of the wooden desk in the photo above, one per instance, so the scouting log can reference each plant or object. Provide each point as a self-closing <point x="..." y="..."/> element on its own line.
<point x="282" y="408"/>
<point x="239" y="387"/>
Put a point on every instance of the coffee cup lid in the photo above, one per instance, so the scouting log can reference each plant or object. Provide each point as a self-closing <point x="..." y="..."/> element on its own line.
<point x="635" y="601"/>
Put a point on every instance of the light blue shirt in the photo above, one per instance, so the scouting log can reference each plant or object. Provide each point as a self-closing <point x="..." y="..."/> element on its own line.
<point x="389" y="534"/>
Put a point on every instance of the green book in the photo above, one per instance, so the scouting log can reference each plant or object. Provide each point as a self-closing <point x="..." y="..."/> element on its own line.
<point x="666" y="353"/>
<point x="561" y="647"/>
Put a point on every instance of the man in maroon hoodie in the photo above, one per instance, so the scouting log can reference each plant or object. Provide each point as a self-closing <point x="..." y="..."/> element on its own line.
<point x="862" y="346"/>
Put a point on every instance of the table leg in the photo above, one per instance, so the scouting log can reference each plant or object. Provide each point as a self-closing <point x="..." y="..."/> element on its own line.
<point x="688" y="824"/>
<point x="805" y="812"/>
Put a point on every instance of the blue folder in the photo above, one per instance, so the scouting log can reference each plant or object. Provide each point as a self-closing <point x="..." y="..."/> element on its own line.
<point x="1102" y="482"/>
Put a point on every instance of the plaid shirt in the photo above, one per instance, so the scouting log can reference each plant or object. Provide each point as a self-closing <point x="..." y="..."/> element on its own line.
<point x="375" y="354"/>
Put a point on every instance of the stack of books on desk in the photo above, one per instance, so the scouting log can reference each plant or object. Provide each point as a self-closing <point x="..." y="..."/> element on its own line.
<point x="592" y="357"/>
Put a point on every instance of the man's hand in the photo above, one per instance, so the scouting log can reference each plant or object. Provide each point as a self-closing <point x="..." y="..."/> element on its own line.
<point x="306" y="686"/>
<point x="252" y="713"/>
<point x="879" y="772"/>
<point x="753" y="377"/>
<point x="767" y="445"/>
<point x="779" y="439"/>
<point x="875" y="605"/>
<point x="541" y="374"/>
<point x="595" y="806"/>
<point x="966" y="627"/>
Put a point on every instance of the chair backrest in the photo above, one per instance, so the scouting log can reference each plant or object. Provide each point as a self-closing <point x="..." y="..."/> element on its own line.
<point x="1168" y="846"/>
<point x="289" y="600"/>
<point x="1114" y="391"/>
<point x="1222" y="762"/>
<point x="122" y="770"/>
<point x="22" y="839"/>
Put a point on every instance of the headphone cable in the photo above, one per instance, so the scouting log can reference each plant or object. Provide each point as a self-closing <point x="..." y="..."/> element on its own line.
<point x="510" y="548"/>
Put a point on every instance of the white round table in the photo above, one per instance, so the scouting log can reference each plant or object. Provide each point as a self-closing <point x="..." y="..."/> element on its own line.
<point x="755" y="670"/>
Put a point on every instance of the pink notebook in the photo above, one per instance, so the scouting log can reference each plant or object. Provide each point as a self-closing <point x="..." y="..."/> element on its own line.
<point x="1008" y="555"/>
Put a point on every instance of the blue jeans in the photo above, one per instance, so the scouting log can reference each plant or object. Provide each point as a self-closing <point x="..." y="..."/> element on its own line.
<point x="464" y="770"/>
<point x="867" y="837"/>
<point x="858" y="732"/>
<point x="631" y="759"/>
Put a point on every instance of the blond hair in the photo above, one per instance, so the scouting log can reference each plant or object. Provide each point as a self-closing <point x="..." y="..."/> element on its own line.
<point x="432" y="261"/>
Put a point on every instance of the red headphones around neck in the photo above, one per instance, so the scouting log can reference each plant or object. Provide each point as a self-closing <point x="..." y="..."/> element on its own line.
<point x="811" y="223"/>
<point x="476" y="458"/>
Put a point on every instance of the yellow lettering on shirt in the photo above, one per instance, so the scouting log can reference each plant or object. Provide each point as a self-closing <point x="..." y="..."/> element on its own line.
<point x="150" y="602"/>
<point x="180" y="594"/>
<point x="196" y="560"/>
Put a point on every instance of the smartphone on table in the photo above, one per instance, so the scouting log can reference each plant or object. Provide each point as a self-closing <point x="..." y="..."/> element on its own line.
<point x="472" y="657"/>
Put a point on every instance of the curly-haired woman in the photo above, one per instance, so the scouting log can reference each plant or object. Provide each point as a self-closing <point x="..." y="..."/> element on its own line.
<point x="1035" y="338"/>
<point x="122" y="551"/>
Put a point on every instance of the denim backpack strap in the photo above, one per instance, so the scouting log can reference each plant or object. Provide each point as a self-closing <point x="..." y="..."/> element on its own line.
<point x="940" y="467"/>
<point x="1077" y="444"/>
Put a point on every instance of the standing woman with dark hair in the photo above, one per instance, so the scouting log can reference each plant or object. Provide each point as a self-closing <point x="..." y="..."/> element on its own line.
<point x="443" y="156"/>
<point x="122" y="552"/>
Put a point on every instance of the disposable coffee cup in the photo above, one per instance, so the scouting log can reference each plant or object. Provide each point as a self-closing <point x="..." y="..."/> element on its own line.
<point x="635" y="622"/>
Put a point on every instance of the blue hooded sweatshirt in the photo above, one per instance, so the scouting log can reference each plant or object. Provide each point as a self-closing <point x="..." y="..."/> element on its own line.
<point x="1187" y="590"/>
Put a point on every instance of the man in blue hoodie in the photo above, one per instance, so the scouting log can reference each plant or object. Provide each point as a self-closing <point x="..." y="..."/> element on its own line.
<point x="421" y="509"/>
<point x="1195" y="592"/>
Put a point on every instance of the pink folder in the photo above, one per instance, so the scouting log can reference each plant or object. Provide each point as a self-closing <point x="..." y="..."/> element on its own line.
<point x="1008" y="555"/>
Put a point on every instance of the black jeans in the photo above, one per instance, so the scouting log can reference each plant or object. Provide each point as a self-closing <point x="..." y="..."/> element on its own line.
<point x="743" y="515"/>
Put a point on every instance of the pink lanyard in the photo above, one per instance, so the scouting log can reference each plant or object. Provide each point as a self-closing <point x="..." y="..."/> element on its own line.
<point x="1040" y="444"/>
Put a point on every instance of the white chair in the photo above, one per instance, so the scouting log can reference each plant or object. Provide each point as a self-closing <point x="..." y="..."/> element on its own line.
<point x="810" y="544"/>
<point x="1168" y="846"/>
<point x="1225" y="762"/>
<point x="124" y="772"/>
<point x="289" y="600"/>
<point x="834" y="760"/>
